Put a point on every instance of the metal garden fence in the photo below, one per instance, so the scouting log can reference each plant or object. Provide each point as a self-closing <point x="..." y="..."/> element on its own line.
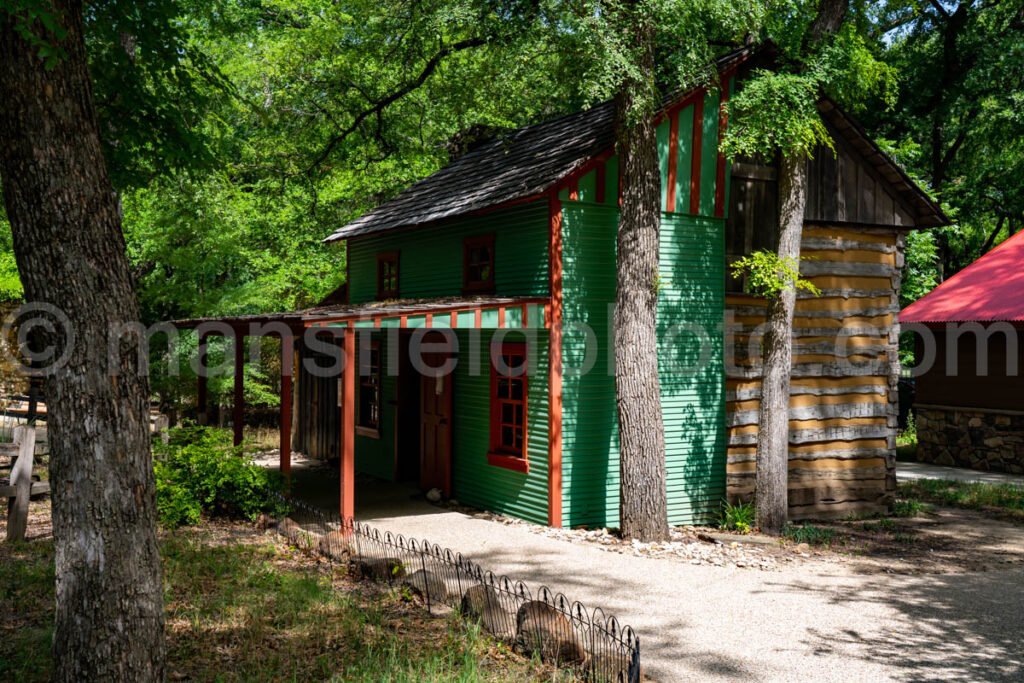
<point x="543" y="623"/>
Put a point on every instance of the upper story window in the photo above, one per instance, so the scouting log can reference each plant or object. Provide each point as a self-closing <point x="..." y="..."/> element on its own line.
<point x="368" y="407"/>
<point x="753" y="222"/>
<point x="508" y="406"/>
<point x="478" y="264"/>
<point x="387" y="275"/>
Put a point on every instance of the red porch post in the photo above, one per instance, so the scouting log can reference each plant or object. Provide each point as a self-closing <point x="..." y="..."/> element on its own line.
<point x="238" y="413"/>
<point x="285" y="423"/>
<point x="348" y="426"/>
<point x="202" y="414"/>
<point x="555" y="364"/>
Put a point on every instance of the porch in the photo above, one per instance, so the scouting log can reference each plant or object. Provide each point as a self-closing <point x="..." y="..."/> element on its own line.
<point x="401" y="390"/>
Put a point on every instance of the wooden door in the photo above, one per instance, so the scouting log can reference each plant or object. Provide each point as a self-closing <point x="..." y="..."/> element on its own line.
<point x="436" y="430"/>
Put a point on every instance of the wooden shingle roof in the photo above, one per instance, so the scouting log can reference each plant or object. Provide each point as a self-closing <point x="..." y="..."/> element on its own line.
<point x="524" y="163"/>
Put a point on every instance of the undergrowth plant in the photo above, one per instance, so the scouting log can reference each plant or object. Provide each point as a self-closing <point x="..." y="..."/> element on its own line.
<point x="738" y="517"/>
<point x="809" y="534"/>
<point x="199" y="472"/>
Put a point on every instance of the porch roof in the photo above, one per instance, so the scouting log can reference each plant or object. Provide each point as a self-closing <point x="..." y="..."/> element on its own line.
<point x="487" y="312"/>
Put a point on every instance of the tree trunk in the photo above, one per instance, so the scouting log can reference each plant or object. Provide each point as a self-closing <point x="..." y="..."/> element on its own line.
<point x="642" y="497"/>
<point x="70" y="252"/>
<point x="772" y="474"/>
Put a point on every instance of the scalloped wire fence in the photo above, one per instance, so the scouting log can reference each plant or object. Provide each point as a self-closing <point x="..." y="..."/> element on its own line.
<point x="545" y="623"/>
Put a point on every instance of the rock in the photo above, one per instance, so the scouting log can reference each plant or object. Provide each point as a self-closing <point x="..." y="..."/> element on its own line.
<point x="802" y="548"/>
<point x="307" y="540"/>
<point x="379" y="568"/>
<point x="428" y="585"/>
<point x="336" y="544"/>
<point x="542" y="629"/>
<point x="484" y="605"/>
<point x="434" y="495"/>
<point x="288" y="528"/>
<point x="478" y="598"/>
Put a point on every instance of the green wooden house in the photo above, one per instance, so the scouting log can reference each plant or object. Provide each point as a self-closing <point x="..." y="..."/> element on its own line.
<point x="503" y="264"/>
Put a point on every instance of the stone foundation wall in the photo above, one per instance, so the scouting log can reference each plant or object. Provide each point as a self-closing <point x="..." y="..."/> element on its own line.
<point x="970" y="437"/>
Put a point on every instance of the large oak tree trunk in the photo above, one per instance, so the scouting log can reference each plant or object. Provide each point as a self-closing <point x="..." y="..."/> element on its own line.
<point x="772" y="474"/>
<point x="642" y="496"/>
<point x="71" y="255"/>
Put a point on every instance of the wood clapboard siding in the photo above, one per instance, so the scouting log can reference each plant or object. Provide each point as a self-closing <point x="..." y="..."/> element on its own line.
<point x="430" y="258"/>
<point x="690" y="303"/>
<point x="692" y="294"/>
<point x="590" y="450"/>
<point x="843" y="188"/>
<point x="845" y="369"/>
<point x="376" y="456"/>
<point x="475" y="481"/>
<point x="691" y="297"/>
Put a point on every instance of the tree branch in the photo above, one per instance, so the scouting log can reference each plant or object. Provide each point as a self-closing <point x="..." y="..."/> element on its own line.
<point x="377" y="107"/>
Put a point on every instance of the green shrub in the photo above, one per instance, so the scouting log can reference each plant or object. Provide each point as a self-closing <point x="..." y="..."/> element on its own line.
<point x="739" y="517"/>
<point x="199" y="472"/>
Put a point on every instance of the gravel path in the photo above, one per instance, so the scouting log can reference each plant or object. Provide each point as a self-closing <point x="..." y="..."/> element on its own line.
<point x="815" y="621"/>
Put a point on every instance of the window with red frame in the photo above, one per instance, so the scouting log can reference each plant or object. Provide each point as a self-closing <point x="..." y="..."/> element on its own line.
<point x="387" y="275"/>
<point x="478" y="264"/>
<point x="508" y="406"/>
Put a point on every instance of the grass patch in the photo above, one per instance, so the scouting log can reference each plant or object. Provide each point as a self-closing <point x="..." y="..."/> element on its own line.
<point x="242" y="608"/>
<point x="1003" y="498"/>
<point x="883" y="524"/>
<point x="909" y="507"/>
<point x="809" y="534"/>
<point x="26" y="593"/>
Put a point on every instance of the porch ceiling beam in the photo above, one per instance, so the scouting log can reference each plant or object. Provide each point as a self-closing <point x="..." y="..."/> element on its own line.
<point x="442" y="316"/>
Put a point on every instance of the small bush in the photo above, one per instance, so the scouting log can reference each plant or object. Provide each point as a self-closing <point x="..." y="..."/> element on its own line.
<point x="199" y="472"/>
<point x="809" y="534"/>
<point x="739" y="517"/>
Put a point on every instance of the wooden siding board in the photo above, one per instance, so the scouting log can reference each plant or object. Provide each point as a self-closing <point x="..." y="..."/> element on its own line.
<point x="474" y="480"/>
<point x="431" y="258"/>
<point x="590" y="466"/>
<point x="376" y="456"/>
<point x="709" y="154"/>
<point x="693" y="275"/>
<point x="693" y="388"/>
<point x="662" y="133"/>
<point x="684" y="158"/>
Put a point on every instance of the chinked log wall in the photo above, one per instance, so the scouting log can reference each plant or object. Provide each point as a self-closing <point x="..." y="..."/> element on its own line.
<point x="844" y="396"/>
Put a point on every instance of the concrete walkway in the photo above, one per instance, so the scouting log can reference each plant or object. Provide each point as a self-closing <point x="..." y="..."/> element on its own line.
<point x="906" y="471"/>
<point x="811" y="622"/>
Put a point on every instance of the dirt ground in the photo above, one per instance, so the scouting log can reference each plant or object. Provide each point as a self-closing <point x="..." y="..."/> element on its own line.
<point x="940" y="541"/>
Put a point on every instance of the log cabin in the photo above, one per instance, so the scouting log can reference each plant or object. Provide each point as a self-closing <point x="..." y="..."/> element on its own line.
<point x="504" y="261"/>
